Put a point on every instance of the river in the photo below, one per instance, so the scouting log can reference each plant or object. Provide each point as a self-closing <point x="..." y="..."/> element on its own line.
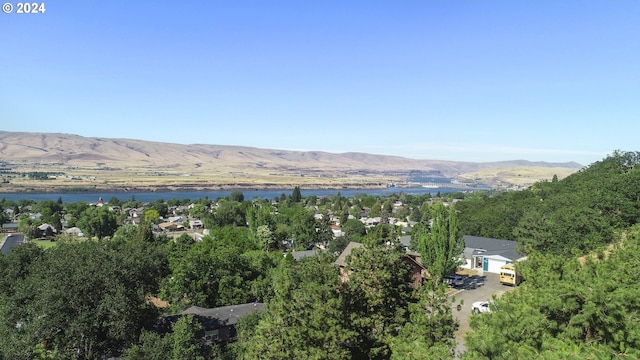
<point x="92" y="197"/>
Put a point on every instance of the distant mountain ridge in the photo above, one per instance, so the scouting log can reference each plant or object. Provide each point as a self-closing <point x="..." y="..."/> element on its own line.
<point x="67" y="152"/>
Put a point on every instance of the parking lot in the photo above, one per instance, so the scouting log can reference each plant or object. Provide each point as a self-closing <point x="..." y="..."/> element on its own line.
<point x="479" y="287"/>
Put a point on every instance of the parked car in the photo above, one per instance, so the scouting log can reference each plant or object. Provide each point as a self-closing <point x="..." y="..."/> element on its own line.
<point x="481" y="307"/>
<point x="454" y="280"/>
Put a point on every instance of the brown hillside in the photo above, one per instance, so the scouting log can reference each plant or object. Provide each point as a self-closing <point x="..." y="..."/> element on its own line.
<point x="126" y="162"/>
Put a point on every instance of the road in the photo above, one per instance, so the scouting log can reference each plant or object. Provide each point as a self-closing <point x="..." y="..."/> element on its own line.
<point x="476" y="288"/>
<point x="10" y="241"/>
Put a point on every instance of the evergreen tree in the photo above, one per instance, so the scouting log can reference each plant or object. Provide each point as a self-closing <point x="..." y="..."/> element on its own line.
<point x="144" y="232"/>
<point x="441" y="246"/>
<point x="296" y="195"/>
<point x="304" y="320"/>
<point x="430" y="333"/>
<point x="377" y="295"/>
<point x="237" y="196"/>
<point x="416" y="214"/>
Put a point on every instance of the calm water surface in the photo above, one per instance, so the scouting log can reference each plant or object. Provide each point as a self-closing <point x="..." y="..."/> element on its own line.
<point x="194" y="195"/>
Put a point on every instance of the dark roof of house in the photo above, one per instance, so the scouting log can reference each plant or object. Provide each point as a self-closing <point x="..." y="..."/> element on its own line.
<point x="342" y="259"/>
<point x="489" y="246"/>
<point x="209" y="318"/>
<point x="224" y="315"/>
<point x="214" y="318"/>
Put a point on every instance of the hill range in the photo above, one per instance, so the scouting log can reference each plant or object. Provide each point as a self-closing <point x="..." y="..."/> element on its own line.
<point x="77" y="163"/>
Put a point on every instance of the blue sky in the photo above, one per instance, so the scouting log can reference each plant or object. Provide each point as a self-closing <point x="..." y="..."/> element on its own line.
<point x="448" y="80"/>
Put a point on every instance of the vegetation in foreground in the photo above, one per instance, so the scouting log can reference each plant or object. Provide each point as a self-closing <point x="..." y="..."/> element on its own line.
<point x="580" y="297"/>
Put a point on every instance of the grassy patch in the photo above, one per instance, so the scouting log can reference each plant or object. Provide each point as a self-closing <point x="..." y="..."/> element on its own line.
<point x="44" y="243"/>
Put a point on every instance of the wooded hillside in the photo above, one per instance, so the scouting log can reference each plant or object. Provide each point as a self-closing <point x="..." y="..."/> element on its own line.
<point x="578" y="213"/>
<point x="570" y="306"/>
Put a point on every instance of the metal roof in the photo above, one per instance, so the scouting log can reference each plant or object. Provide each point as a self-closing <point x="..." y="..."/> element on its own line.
<point x="489" y="246"/>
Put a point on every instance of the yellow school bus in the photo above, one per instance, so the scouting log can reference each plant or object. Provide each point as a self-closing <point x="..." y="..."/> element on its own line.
<point x="509" y="276"/>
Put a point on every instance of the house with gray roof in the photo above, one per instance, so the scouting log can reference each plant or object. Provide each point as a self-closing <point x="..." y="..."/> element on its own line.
<point x="299" y="255"/>
<point x="218" y="324"/>
<point x="10" y="226"/>
<point x="76" y="231"/>
<point x="489" y="254"/>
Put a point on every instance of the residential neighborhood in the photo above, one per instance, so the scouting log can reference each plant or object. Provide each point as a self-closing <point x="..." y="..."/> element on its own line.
<point x="242" y="278"/>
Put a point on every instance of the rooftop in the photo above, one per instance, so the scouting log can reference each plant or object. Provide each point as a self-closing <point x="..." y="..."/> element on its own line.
<point x="489" y="246"/>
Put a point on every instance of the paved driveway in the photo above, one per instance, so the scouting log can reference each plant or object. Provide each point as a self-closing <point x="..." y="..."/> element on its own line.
<point x="476" y="288"/>
<point x="10" y="241"/>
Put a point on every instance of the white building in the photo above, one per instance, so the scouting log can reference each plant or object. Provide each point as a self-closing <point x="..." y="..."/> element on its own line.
<point x="489" y="254"/>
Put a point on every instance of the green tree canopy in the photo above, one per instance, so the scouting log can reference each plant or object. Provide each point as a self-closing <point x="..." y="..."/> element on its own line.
<point x="377" y="296"/>
<point x="159" y="206"/>
<point x="98" y="221"/>
<point x="440" y="246"/>
<point x="236" y="196"/>
<point x="185" y="339"/>
<point x="84" y="299"/>
<point x="584" y="204"/>
<point x="430" y="333"/>
<point x="228" y="213"/>
<point x="296" y="195"/>
<point x="304" y="319"/>
<point x="151" y="216"/>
